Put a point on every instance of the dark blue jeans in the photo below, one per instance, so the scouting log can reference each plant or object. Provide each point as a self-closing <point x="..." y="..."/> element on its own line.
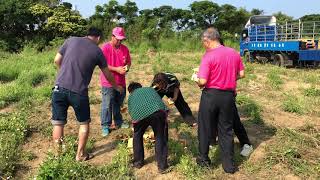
<point x="112" y="101"/>
<point x="61" y="100"/>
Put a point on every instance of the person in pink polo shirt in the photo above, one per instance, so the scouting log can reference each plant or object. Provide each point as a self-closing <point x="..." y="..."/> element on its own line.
<point x="218" y="73"/>
<point x="119" y="61"/>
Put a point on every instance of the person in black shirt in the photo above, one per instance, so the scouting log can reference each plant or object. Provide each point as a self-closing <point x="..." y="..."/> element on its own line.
<point x="169" y="85"/>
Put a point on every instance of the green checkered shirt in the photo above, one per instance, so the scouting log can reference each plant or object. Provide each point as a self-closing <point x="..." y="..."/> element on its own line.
<point x="143" y="102"/>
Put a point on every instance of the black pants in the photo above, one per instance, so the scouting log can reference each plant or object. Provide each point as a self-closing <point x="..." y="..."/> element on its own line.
<point x="158" y="122"/>
<point x="238" y="129"/>
<point x="182" y="107"/>
<point x="217" y="107"/>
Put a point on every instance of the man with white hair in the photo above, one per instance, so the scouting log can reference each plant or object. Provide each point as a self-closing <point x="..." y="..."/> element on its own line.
<point x="218" y="73"/>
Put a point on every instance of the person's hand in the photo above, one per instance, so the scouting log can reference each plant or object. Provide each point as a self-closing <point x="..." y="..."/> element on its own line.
<point x="120" y="89"/>
<point x="121" y="70"/>
<point x="174" y="99"/>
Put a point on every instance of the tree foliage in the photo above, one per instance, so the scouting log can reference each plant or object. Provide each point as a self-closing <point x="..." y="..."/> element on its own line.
<point x="40" y="21"/>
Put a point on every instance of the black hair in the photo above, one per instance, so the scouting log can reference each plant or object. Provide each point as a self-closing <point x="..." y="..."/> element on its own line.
<point x="93" y="31"/>
<point x="133" y="86"/>
<point x="159" y="78"/>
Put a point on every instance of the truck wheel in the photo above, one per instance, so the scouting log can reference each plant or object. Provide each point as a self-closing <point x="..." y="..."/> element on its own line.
<point x="279" y="60"/>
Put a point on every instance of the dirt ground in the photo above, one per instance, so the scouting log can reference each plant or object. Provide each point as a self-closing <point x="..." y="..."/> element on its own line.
<point x="38" y="143"/>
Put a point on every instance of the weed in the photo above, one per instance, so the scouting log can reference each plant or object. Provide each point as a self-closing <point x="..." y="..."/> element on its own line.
<point x="250" y="109"/>
<point x="188" y="167"/>
<point x="312" y="92"/>
<point x="292" y="104"/>
<point x="176" y="151"/>
<point x="293" y="149"/>
<point x="65" y="166"/>
<point x="274" y="78"/>
<point x="13" y="130"/>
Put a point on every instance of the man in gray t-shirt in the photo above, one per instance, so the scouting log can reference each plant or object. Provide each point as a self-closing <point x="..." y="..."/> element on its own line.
<point x="76" y="61"/>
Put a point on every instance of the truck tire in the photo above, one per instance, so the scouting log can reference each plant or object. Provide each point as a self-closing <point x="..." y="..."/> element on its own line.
<point x="279" y="60"/>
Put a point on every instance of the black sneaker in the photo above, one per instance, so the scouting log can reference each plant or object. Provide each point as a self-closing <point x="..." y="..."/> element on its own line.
<point x="163" y="170"/>
<point x="137" y="165"/>
<point x="203" y="163"/>
<point x="232" y="171"/>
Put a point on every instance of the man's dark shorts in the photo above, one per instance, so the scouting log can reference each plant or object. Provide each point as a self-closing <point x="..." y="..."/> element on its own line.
<point x="61" y="100"/>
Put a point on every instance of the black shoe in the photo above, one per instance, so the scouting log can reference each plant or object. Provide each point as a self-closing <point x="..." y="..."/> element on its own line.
<point x="203" y="163"/>
<point x="163" y="170"/>
<point x="137" y="165"/>
<point x="232" y="171"/>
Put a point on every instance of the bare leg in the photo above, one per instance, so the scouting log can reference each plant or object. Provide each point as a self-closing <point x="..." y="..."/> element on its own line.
<point x="83" y="137"/>
<point x="57" y="136"/>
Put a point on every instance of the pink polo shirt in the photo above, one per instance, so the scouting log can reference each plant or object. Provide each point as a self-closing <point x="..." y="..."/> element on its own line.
<point x="115" y="57"/>
<point x="220" y="67"/>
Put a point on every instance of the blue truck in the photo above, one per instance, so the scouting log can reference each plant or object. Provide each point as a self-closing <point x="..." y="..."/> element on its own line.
<point x="292" y="44"/>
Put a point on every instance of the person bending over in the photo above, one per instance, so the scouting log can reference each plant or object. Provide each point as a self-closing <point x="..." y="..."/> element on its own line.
<point x="147" y="109"/>
<point x="167" y="84"/>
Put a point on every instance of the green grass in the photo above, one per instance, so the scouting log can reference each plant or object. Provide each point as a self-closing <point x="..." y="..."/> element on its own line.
<point x="13" y="130"/>
<point x="293" y="104"/>
<point x="274" y="78"/>
<point x="296" y="150"/>
<point x="25" y="79"/>
<point x="26" y="75"/>
<point x="312" y="92"/>
<point x="65" y="166"/>
<point x="250" y="109"/>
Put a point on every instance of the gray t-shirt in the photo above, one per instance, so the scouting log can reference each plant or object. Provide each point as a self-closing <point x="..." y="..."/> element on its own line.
<point x="80" y="56"/>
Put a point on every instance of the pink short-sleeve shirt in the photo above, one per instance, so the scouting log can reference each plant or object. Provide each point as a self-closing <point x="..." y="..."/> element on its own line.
<point x="115" y="57"/>
<point x="220" y="67"/>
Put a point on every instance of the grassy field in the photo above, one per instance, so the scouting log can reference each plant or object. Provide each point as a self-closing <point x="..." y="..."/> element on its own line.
<point x="279" y="108"/>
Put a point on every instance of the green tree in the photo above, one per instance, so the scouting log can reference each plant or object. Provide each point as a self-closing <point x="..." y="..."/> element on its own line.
<point x="255" y="11"/>
<point x="57" y="21"/>
<point x="282" y="18"/>
<point x="16" y="23"/>
<point x="128" y="12"/>
<point x="204" y="13"/>
<point x="310" y="17"/>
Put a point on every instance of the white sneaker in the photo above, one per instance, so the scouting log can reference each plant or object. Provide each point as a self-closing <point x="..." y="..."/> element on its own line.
<point x="246" y="150"/>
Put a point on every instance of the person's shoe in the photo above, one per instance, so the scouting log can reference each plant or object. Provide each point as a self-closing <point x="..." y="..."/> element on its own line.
<point x="137" y="165"/>
<point x="232" y="171"/>
<point x="163" y="170"/>
<point x="105" y="131"/>
<point x="123" y="126"/>
<point x="246" y="150"/>
<point x="203" y="163"/>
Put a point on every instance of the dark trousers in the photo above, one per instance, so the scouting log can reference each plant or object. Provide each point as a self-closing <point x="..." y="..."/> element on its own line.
<point x="182" y="107"/>
<point x="217" y="107"/>
<point x="158" y="122"/>
<point x="238" y="129"/>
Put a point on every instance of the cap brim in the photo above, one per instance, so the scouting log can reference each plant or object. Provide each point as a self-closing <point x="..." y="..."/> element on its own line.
<point x="120" y="37"/>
